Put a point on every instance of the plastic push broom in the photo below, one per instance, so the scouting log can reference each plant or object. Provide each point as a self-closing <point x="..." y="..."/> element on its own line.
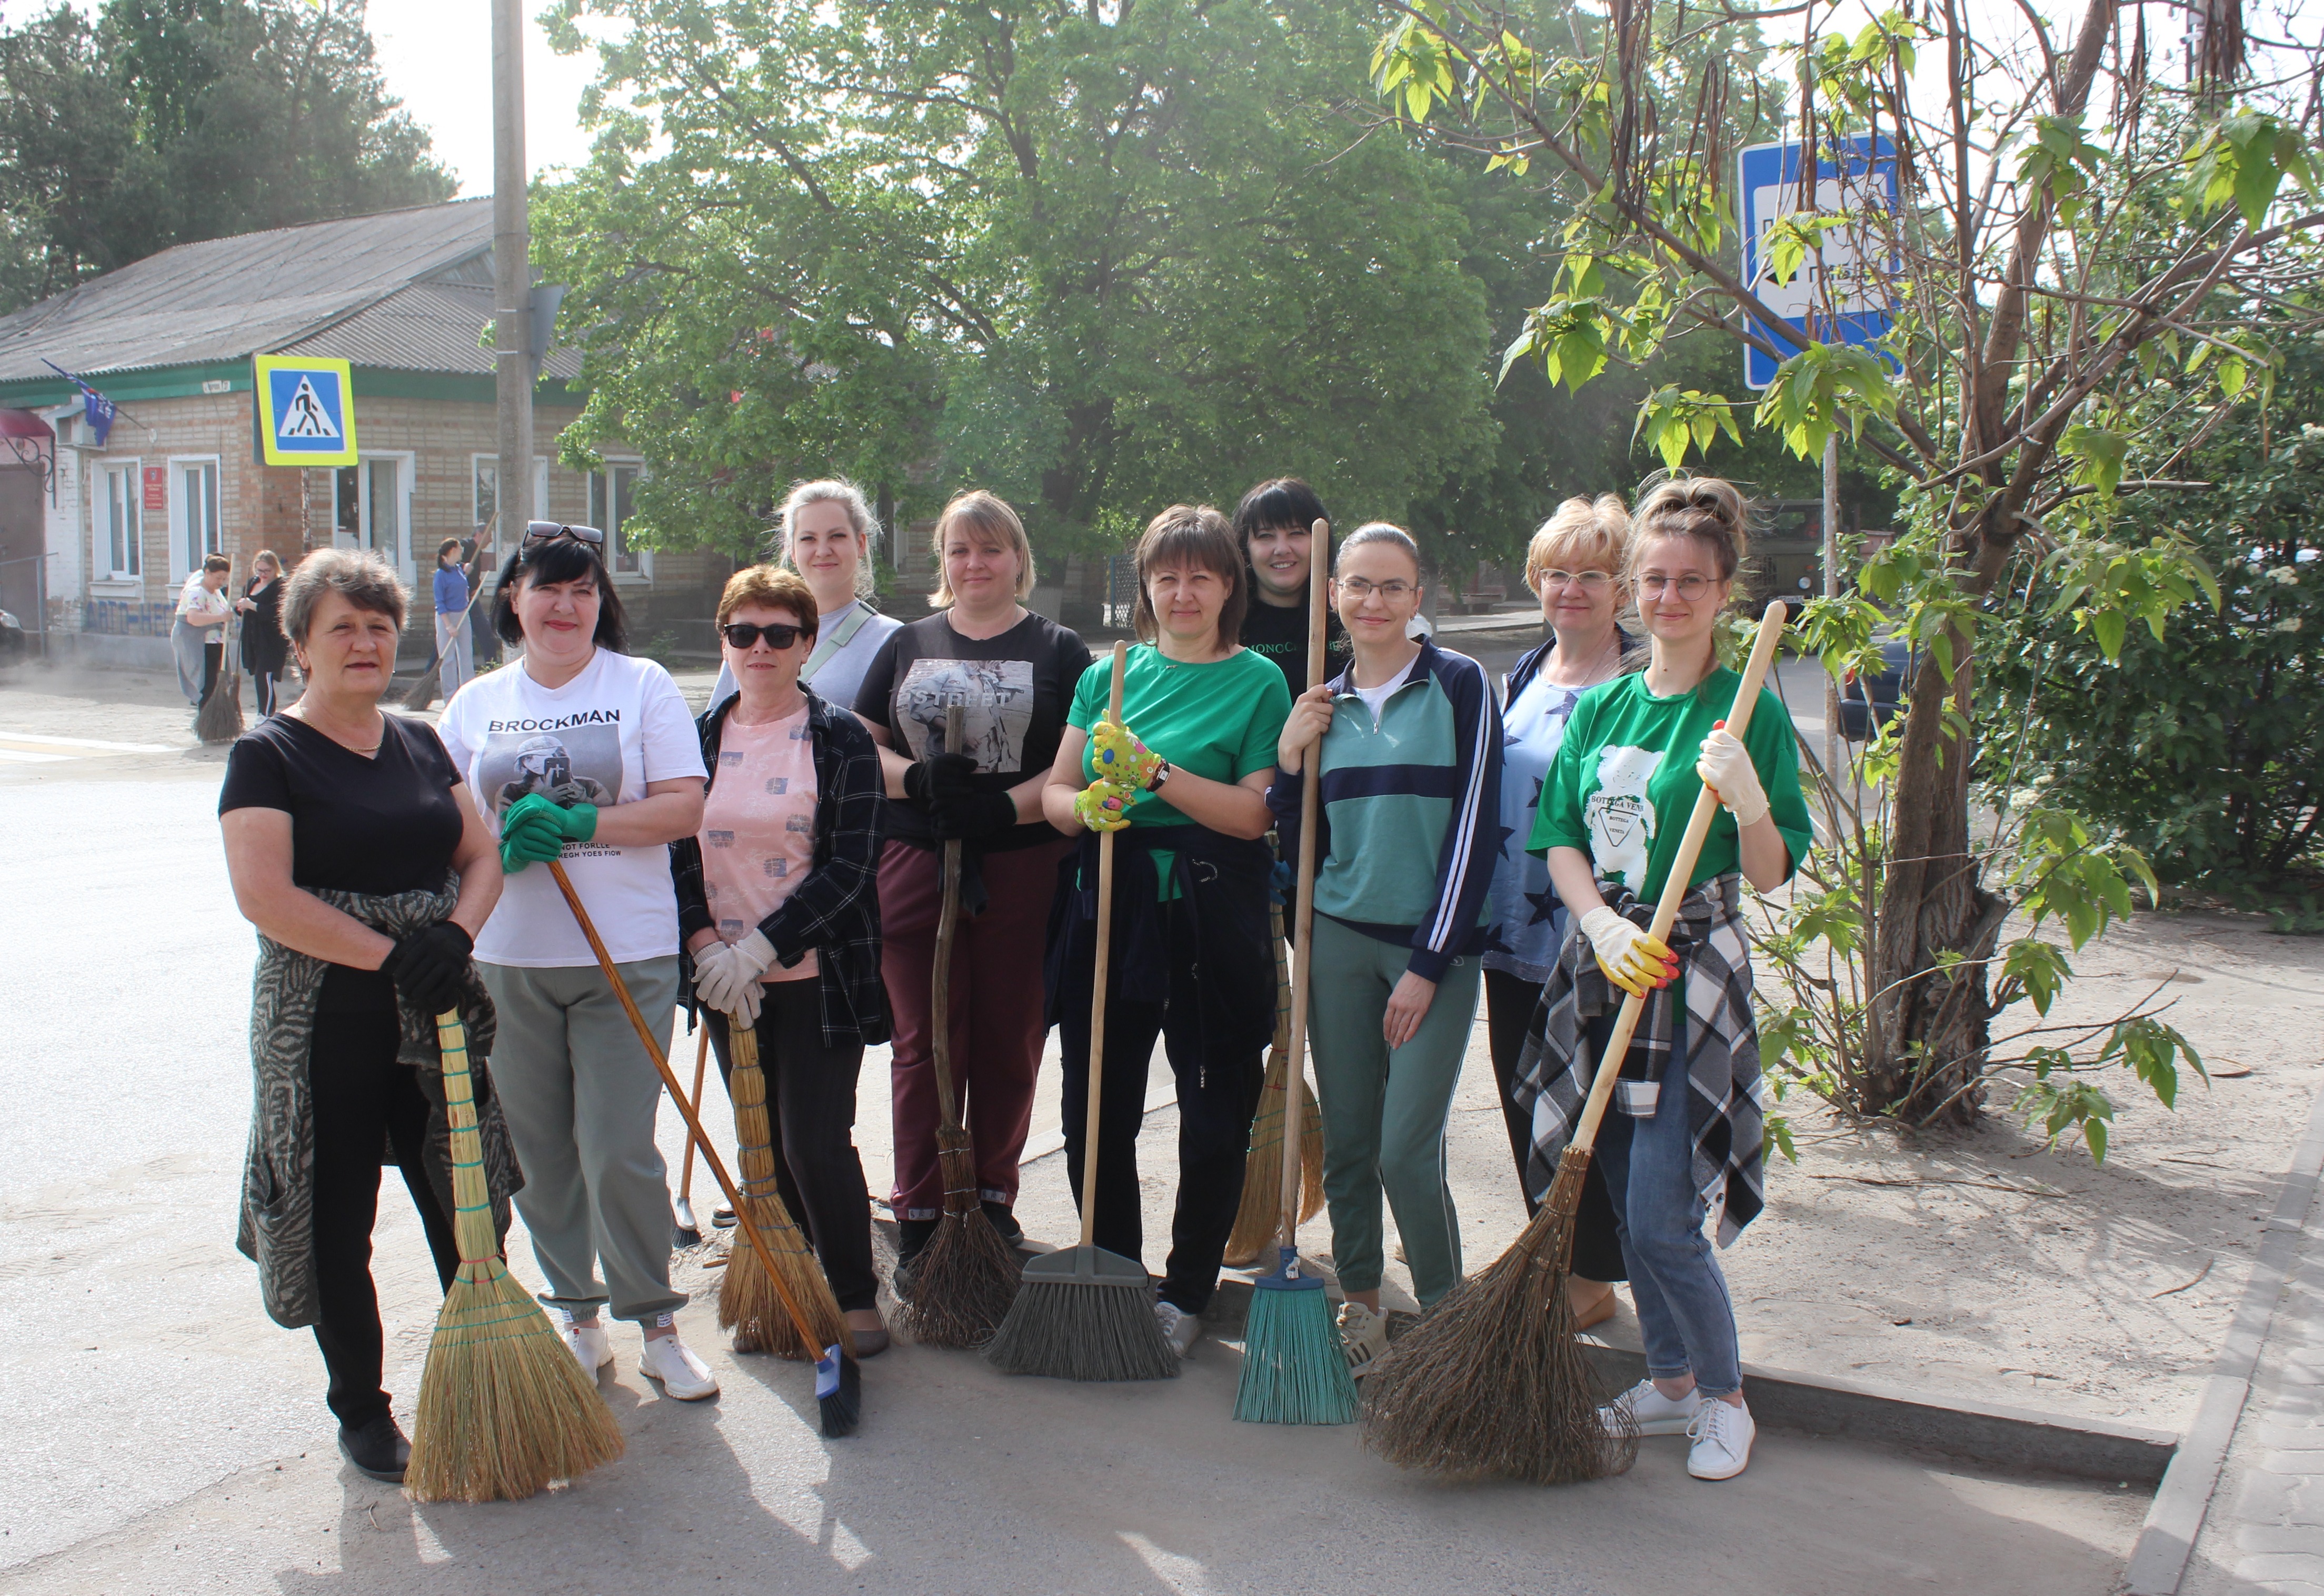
<point x="1493" y="1382"/>
<point x="1084" y="1313"/>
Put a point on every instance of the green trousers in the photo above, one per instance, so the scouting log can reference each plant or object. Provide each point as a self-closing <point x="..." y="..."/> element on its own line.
<point x="1384" y="1112"/>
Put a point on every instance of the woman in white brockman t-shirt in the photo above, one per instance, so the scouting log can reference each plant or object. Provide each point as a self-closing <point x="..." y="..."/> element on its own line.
<point x="580" y="753"/>
<point x="828" y="535"/>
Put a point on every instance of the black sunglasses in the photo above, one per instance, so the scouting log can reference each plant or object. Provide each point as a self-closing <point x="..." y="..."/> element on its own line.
<point x="779" y="634"/>
<point x="548" y="532"/>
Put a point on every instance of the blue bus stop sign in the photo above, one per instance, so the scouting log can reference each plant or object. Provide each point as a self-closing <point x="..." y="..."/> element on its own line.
<point x="1853" y="176"/>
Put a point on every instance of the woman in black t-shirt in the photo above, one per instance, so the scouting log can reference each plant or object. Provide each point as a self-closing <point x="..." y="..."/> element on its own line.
<point x="1012" y="672"/>
<point x="263" y="643"/>
<point x="353" y="849"/>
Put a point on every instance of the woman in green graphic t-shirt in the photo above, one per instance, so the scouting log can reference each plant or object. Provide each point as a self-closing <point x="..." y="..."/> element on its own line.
<point x="1687" y="1126"/>
<point x="1190" y="894"/>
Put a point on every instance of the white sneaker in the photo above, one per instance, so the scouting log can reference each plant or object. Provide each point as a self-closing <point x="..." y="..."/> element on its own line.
<point x="1651" y="1412"/>
<point x="682" y="1375"/>
<point x="1721" y="1438"/>
<point x="1179" y="1327"/>
<point x="1363" y="1336"/>
<point x="591" y="1347"/>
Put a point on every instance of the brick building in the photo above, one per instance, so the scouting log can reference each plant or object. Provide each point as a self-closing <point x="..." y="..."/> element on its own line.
<point x="97" y="538"/>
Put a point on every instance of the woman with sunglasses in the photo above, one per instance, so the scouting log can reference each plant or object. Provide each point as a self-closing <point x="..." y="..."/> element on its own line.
<point x="1575" y="564"/>
<point x="1635" y="754"/>
<point x="1410" y="747"/>
<point x="777" y="905"/>
<point x="829" y="534"/>
<point x="580" y="753"/>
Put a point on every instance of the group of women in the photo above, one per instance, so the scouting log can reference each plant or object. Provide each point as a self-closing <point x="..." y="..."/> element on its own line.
<point x="774" y="863"/>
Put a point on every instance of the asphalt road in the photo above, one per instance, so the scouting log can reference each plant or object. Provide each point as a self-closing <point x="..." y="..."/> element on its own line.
<point x="157" y="1432"/>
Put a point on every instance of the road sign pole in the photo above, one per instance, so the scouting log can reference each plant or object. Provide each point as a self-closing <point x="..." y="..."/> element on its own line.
<point x="1831" y="590"/>
<point x="512" y="274"/>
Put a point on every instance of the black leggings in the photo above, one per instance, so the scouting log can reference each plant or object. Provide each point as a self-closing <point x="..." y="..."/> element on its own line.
<point x="368" y="1110"/>
<point x="1218" y="1097"/>
<point x="811" y="1110"/>
<point x="1510" y="1003"/>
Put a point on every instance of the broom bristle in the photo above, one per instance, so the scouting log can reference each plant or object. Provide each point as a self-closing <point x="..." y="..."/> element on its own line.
<point x="966" y="1277"/>
<point x="750" y="1305"/>
<point x="1087" y="1315"/>
<point x="1492" y="1381"/>
<point x="503" y="1408"/>
<point x="1295" y="1368"/>
<point x="1260" y="1217"/>
<point x="838" y="1392"/>
<point x="422" y="693"/>
<point x="220" y="720"/>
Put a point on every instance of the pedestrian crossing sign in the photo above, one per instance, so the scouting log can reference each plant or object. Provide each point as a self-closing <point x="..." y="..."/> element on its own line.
<point x="305" y="410"/>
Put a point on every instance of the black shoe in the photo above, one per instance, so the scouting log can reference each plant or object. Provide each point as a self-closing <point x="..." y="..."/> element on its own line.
<point x="1004" y="1222"/>
<point x="911" y="1236"/>
<point x="378" y="1449"/>
<point x="722" y="1218"/>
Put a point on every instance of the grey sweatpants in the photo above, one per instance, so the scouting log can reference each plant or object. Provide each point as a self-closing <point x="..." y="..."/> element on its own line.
<point x="580" y="1094"/>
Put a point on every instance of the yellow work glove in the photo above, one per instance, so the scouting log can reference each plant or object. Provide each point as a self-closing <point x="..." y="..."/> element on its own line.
<point x="1103" y="806"/>
<point x="1632" y="960"/>
<point x="1119" y="757"/>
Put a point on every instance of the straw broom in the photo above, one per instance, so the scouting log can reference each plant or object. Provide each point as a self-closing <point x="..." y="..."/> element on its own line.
<point x="1259" y="1218"/>
<point x="1295" y="1368"/>
<point x="838" y="1379"/>
<point x="966" y="1276"/>
<point x="1084" y="1313"/>
<point x="683" y="1232"/>
<point x="504" y="1408"/>
<point x="1493" y="1381"/>
<point x="220" y="720"/>
<point x="748" y="1302"/>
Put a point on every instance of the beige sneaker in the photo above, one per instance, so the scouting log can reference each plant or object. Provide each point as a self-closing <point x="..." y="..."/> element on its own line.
<point x="1363" y="1332"/>
<point x="682" y="1375"/>
<point x="591" y="1347"/>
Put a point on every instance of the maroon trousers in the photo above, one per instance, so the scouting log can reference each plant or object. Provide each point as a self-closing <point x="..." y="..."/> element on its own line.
<point x="996" y="1021"/>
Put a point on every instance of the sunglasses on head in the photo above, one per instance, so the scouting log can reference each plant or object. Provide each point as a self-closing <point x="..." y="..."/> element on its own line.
<point x="548" y="532"/>
<point x="742" y="634"/>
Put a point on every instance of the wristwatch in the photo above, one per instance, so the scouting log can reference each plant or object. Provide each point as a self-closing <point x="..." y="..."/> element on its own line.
<point x="1161" y="774"/>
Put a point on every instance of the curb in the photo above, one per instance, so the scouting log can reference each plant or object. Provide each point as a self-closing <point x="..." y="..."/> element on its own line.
<point x="2158" y="1562"/>
<point x="1990" y="1435"/>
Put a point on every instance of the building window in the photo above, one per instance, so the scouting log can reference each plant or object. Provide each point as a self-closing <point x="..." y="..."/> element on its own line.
<point x="119" y="526"/>
<point x="484" y="490"/>
<point x="197" y="509"/>
<point x="613" y="495"/>
<point x="367" y="508"/>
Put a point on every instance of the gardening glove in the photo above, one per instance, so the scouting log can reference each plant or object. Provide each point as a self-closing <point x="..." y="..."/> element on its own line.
<point x="1281" y="879"/>
<point x="1118" y="756"/>
<point x="577" y="824"/>
<point x="534" y="839"/>
<point x="723" y="980"/>
<point x="1103" y="805"/>
<point x="1632" y="960"/>
<point x="427" y="966"/>
<point x="1725" y="768"/>
<point x="972" y="817"/>
<point x="945" y="775"/>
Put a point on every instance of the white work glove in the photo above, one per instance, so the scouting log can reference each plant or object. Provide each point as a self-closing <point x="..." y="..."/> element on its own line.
<point x="723" y="980"/>
<point x="1725" y="768"/>
<point x="753" y="954"/>
<point x="1632" y="960"/>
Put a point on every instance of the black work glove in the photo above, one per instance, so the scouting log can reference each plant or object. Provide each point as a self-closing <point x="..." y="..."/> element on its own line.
<point x="972" y="817"/>
<point x="427" y="967"/>
<point x="944" y="776"/>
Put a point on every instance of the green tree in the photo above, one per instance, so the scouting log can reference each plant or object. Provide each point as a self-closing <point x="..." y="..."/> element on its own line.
<point x="164" y="122"/>
<point x="1095" y="258"/>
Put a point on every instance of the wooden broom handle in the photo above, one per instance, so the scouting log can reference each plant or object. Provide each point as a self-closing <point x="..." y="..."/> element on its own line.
<point x="1303" y="919"/>
<point x="701" y="1068"/>
<point x="693" y="1122"/>
<point x="1097" y="986"/>
<point x="940" y="975"/>
<point x="1674" y="886"/>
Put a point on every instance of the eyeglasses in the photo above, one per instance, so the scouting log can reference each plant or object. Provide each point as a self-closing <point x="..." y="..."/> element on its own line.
<point x="1689" y="587"/>
<point x="779" y="634"/>
<point x="1357" y="588"/>
<point x="1589" y="582"/>
<point x="548" y="532"/>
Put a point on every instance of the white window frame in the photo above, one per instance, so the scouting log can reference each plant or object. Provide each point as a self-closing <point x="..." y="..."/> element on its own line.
<point x="601" y="482"/>
<point x="395" y="541"/>
<point x="510" y="536"/>
<point x="184" y="558"/>
<point x="102" y="575"/>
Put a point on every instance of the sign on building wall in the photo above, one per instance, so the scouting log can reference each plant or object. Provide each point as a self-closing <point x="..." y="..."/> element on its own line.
<point x="157" y="487"/>
<point x="305" y="410"/>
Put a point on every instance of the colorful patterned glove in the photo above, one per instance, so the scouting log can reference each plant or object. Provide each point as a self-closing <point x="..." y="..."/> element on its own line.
<point x="1103" y="806"/>
<point x="1118" y="756"/>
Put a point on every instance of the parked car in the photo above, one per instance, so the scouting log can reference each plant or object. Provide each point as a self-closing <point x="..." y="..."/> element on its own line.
<point x="14" y="646"/>
<point x="1868" y="701"/>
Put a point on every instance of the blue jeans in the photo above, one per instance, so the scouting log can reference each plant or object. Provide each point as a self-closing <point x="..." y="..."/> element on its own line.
<point x="1685" y="1314"/>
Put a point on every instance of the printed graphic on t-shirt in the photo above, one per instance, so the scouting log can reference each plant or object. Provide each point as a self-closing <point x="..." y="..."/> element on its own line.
<point x="1618" y="817"/>
<point x="996" y="700"/>
<point x="573" y="759"/>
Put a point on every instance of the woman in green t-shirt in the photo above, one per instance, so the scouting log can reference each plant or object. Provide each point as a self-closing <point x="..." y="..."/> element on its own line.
<point x="1193" y="753"/>
<point x="1635" y="753"/>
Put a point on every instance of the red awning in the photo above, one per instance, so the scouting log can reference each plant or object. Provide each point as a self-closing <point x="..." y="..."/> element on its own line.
<point x="24" y="424"/>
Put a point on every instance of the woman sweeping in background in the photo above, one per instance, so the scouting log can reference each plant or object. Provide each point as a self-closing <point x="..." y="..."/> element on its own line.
<point x="353" y="848"/>
<point x="1411" y="756"/>
<point x="1012" y="672"/>
<point x="1687" y="1120"/>
<point x="451" y="591"/>
<point x="1575" y="564"/>
<point x="828" y="537"/>
<point x="1192" y="960"/>
<point x="582" y="753"/>
<point x="264" y="645"/>
<point x="778" y="907"/>
<point x="197" y="633"/>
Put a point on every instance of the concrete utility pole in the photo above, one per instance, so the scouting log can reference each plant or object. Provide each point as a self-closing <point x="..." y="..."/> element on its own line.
<point x="513" y="364"/>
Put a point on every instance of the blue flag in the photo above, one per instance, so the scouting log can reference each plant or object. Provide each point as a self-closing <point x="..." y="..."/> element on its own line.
<point x="95" y="407"/>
